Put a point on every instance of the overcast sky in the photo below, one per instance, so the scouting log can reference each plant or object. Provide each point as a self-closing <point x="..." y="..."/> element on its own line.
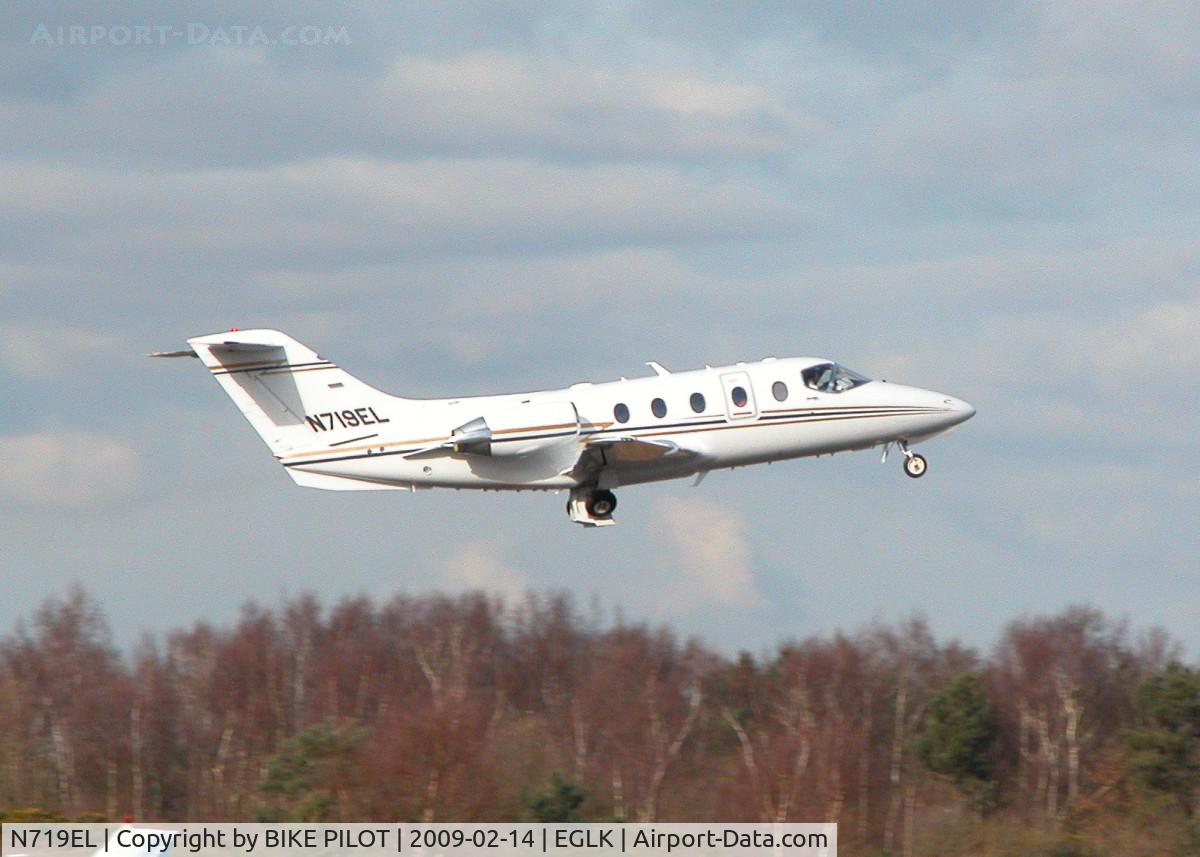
<point x="997" y="200"/>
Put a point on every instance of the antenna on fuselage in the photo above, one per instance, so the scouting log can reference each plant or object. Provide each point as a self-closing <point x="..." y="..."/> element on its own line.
<point x="658" y="368"/>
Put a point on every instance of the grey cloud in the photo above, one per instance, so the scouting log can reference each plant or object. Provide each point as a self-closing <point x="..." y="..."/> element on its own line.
<point x="895" y="29"/>
<point x="1143" y="52"/>
<point x="1079" y="111"/>
<point x="998" y="201"/>
<point x="1116" y="381"/>
<point x="344" y="211"/>
<point x="39" y="353"/>
<point x="232" y="109"/>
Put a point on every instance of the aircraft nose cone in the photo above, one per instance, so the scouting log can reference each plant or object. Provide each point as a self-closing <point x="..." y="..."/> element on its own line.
<point x="961" y="410"/>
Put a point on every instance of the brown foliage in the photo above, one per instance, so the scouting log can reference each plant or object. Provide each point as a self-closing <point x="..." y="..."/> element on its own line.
<point x="465" y="708"/>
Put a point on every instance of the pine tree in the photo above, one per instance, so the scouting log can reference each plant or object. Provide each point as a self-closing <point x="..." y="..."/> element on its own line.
<point x="1166" y="744"/>
<point x="959" y="739"/>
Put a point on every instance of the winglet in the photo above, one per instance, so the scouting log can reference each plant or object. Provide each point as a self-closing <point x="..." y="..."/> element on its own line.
<point x="658" y="368"/>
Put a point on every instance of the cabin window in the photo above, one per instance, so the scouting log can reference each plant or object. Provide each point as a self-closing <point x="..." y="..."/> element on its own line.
<point x="697" y="402"/>
<point x="831" y="378"/>
<point x="621" y="412"/>
<point x="779" y="390"/>
<point x="659" y="408"/>
<point x="738" y="394"/>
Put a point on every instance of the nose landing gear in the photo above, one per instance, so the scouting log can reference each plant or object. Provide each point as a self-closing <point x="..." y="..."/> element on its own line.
<point x="914" y="464"/>
<point x="592" y="506"/>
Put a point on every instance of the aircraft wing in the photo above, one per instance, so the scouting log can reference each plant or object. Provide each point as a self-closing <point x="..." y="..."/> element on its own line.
<point x="630" y="449"/>
<point x="433" y="450"/>
<point x="631" y="452"/>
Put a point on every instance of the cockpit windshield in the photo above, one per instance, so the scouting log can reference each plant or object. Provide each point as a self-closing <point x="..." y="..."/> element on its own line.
<point x="831" y="378"/>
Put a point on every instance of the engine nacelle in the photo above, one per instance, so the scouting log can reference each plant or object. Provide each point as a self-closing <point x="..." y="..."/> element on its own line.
<point x="518" y="430"/>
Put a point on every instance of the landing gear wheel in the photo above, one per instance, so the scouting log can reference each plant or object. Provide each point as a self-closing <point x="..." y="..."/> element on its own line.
<point x="602" y="504"/>
<point x="915" y="466"/>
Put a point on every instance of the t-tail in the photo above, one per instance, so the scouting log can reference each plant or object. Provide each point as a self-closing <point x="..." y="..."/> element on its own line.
<point x="292" y="396"/>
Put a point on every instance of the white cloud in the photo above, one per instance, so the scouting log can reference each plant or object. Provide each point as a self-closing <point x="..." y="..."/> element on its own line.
<point x="66" y="470"/>
<point x="1120" y="379"/>
<point x="43" y="352"/>
<point x="1163" y="340"/>
<point x="480" y="564"/>
<point x="707" y="560"/>
<point x="690" y="95"/>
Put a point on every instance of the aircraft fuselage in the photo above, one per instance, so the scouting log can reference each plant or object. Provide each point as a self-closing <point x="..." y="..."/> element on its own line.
<point x="332" y="431"/>
<point x="804" y="422"/>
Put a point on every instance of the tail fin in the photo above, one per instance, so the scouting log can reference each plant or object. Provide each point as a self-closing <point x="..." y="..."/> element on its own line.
<point x="288" y="392"/>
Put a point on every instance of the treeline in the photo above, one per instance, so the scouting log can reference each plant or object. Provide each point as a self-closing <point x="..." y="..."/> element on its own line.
<point x="1072" y="736"/>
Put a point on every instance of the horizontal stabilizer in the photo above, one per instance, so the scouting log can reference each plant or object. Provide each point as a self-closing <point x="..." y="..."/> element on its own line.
<point x="244" y="347"/>
<point x="228" y="347"/>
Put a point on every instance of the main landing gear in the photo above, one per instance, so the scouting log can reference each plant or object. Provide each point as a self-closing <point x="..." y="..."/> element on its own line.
<point x="914" y="464"/>
<point x="592" y="506"/>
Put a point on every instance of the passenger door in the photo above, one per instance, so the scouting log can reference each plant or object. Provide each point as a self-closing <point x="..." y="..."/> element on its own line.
<point x="739" y="396"/>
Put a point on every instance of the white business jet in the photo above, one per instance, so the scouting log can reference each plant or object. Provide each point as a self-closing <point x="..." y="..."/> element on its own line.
<point x="330" y="430"/>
